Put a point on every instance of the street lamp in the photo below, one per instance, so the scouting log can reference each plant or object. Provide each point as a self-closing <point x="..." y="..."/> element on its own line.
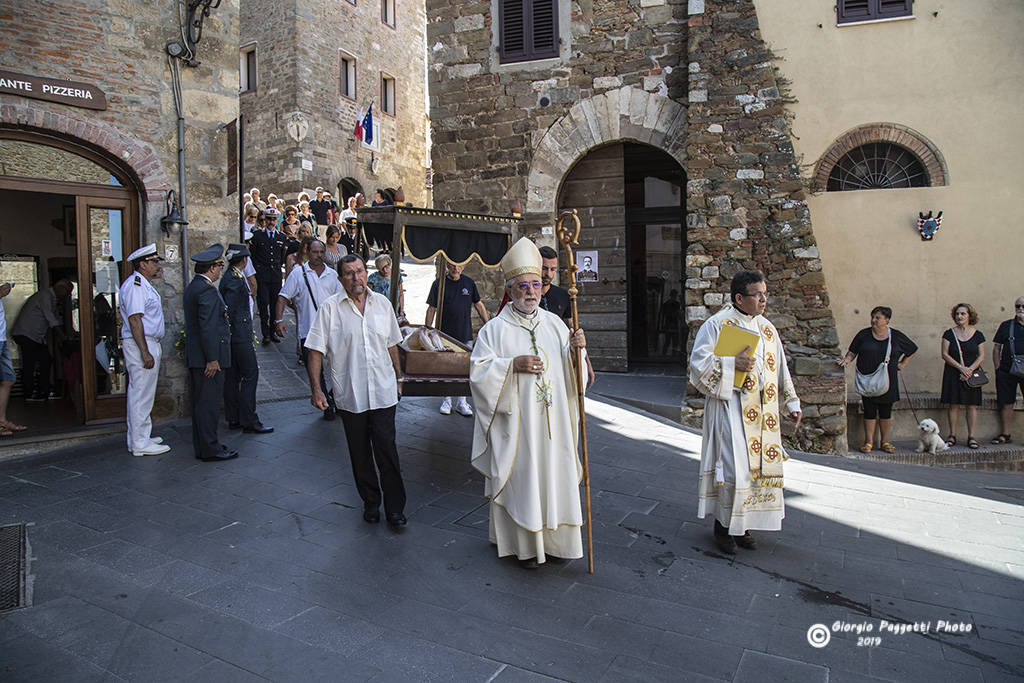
<point x="173" y="221"/>
<point x="192" y="30"/>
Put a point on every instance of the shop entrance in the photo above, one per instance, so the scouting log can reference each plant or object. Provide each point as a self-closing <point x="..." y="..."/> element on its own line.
<point x="66" y="214"/>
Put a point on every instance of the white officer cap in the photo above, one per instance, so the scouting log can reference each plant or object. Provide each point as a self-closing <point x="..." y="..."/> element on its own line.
<point x="148" y="251"/>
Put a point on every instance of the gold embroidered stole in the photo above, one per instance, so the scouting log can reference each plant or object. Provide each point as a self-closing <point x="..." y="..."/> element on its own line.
<point x="761" y="429"/>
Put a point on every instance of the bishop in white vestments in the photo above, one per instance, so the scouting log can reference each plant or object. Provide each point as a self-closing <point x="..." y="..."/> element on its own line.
<point x="525" y="435"/>
<point x="742" y="453"/>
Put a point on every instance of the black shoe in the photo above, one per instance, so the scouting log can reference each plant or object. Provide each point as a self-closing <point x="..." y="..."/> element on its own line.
<point x="371" y="515"/>
<point x="266" y="341"/>
<point x="234" y="425"/>
<point x="529" y="564"/>
<point x="396" y="519"/>
<point x="222" y="455"/>
<point x="329" y="414"/>
<point x="746" y="541"/>
<point x="727" y="544"/>
<point x="260" y="428"/>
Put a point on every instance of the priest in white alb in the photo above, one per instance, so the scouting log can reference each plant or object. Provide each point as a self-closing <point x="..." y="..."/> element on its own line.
<point x="742" y="454"/>
<point x="527" y="417"/>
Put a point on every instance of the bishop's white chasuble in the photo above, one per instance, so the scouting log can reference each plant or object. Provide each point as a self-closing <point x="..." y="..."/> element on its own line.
<point x="526" y="434"/>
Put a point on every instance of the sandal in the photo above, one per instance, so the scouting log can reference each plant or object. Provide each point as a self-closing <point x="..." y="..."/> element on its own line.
<point x="6" y="432"/>
<point x="951" y="441"/>
<point x="888" y="447"/>
<point x="973" y="443"/>
<point x="14" y="427"/>
<point x="866" y="448"/>
<point x="1002" y="438"/>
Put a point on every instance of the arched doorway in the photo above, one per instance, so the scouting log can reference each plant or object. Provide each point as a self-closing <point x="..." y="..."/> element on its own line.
<point x="66" y="211"/>
<point x="631" y="202"/>
<point x="348" y="187"/>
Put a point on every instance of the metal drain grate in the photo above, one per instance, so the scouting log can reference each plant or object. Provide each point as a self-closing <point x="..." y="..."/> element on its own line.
<point x="14" y="589"/>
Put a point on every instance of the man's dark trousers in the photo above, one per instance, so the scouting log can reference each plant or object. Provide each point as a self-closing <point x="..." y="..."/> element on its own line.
<point x="207" y="393"/>
<point x="371" y="438"/>
<point x="266" y="303"/>
<point x="34" y="355"/>
<point x="240" y="382"/>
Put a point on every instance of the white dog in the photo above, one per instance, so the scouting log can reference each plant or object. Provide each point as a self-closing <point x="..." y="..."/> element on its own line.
<point x="930" y="439"/>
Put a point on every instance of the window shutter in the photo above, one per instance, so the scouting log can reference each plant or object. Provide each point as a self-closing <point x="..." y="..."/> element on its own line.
<point x="513" y="30"/>
<point x="867" y="10"/>
<point x="545" y="28"/>
<point x="894" y="8"/>
<point x="853" y="10"/>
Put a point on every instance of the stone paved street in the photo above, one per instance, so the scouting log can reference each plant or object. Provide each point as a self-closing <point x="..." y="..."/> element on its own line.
<point x="165" y="568"/>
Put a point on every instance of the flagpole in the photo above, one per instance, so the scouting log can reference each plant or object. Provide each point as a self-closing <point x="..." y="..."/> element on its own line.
<point x="568" y="239"/>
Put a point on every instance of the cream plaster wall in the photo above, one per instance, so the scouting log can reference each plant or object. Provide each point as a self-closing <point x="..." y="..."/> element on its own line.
<point x="957" y="79"/>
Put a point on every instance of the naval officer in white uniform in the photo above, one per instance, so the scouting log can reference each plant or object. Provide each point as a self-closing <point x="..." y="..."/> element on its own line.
<point x="142" y="328"/>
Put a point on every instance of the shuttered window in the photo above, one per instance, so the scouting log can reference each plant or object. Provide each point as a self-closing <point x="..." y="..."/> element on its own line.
<point x="528" y="30"/>
<point x="849" y="11"/>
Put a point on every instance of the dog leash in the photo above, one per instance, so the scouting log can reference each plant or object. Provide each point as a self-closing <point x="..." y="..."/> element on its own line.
<point x="909" y="400"/>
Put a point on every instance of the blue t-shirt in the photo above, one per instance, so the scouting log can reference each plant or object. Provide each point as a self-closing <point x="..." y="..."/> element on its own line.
<point x="459" y="297"/>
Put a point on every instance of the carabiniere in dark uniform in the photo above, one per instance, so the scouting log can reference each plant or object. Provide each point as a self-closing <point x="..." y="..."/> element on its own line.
<point x="207" y="352"/>
<point x="268" y="247"/>
<point x="241" y="378"/>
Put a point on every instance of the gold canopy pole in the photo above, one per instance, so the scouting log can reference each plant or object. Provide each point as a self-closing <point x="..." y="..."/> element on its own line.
<point x="568" y="239"/>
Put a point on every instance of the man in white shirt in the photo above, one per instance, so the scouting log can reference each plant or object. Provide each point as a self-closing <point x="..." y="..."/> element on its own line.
<point x="358" y="333"/>
<point x="37" y="317"/>
<point x="142" y="328"/>
<point x="306" y="288"/>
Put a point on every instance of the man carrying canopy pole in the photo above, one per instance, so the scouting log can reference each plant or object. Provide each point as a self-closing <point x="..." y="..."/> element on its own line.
<point x="526" y="436"/>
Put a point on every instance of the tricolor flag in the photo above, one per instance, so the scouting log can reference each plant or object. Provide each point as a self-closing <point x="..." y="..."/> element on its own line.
<point x="358" y="132"/>
<point x="367" y="125"/>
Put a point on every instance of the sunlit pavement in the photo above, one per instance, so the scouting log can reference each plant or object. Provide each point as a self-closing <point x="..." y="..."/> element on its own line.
<point x="261" y="568"/>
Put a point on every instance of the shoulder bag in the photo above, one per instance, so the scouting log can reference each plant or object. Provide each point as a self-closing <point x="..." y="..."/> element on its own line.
<point x="1016" y="359"/>
<point x="877" y="383"/>
<point x="978" y="378"/>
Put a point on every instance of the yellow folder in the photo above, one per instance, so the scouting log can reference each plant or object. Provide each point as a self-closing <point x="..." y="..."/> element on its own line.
<point x="731" y="341"/>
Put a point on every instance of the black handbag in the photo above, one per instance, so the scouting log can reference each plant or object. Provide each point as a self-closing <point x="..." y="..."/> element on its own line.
<point x="978" y="378"/>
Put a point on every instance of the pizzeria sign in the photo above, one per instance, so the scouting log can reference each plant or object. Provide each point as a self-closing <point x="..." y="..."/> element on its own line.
<point x="53" y="90"/>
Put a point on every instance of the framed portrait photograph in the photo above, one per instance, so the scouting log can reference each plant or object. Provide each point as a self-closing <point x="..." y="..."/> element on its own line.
<point x="587" y="266"/>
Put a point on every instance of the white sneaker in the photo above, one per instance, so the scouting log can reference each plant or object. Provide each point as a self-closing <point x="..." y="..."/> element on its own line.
<point x="446" y="406"/>
<point x="152" y="449"/>
<point x="462" y="407"/>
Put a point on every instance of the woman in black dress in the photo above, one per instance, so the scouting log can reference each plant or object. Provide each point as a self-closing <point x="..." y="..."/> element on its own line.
<point x="962" y="338"/>
<point x="869" y="347"/>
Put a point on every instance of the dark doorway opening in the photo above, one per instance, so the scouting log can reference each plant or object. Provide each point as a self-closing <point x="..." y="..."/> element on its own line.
<point x="655" y="245"/>
<point x="348" y="187"/>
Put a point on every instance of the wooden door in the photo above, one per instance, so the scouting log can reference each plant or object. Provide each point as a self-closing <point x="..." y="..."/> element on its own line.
<point x="103" y="241"/>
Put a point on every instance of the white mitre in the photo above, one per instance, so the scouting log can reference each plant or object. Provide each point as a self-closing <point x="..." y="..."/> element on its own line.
<point x="523" y="257"/>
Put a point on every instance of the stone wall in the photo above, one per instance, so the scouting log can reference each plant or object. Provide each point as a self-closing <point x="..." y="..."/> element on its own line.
<point x="488" y="119"/>
<point x="299" y="45"/>
<point x="747" y="209"/>
<point x="118" y="45"/>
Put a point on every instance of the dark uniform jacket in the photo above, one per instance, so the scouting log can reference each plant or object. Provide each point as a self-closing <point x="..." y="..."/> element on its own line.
<point x="207" y="335"/>
<point x="235" y="292"/>
<point x="267" y="251"/>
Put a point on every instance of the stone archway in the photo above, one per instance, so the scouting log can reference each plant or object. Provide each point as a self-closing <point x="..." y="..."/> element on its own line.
<point x="135" y="156"/>
<point x="625" y="114"/>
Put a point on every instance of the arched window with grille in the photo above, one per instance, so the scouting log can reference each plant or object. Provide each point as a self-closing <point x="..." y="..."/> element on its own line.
<point x="880" y="156"/>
